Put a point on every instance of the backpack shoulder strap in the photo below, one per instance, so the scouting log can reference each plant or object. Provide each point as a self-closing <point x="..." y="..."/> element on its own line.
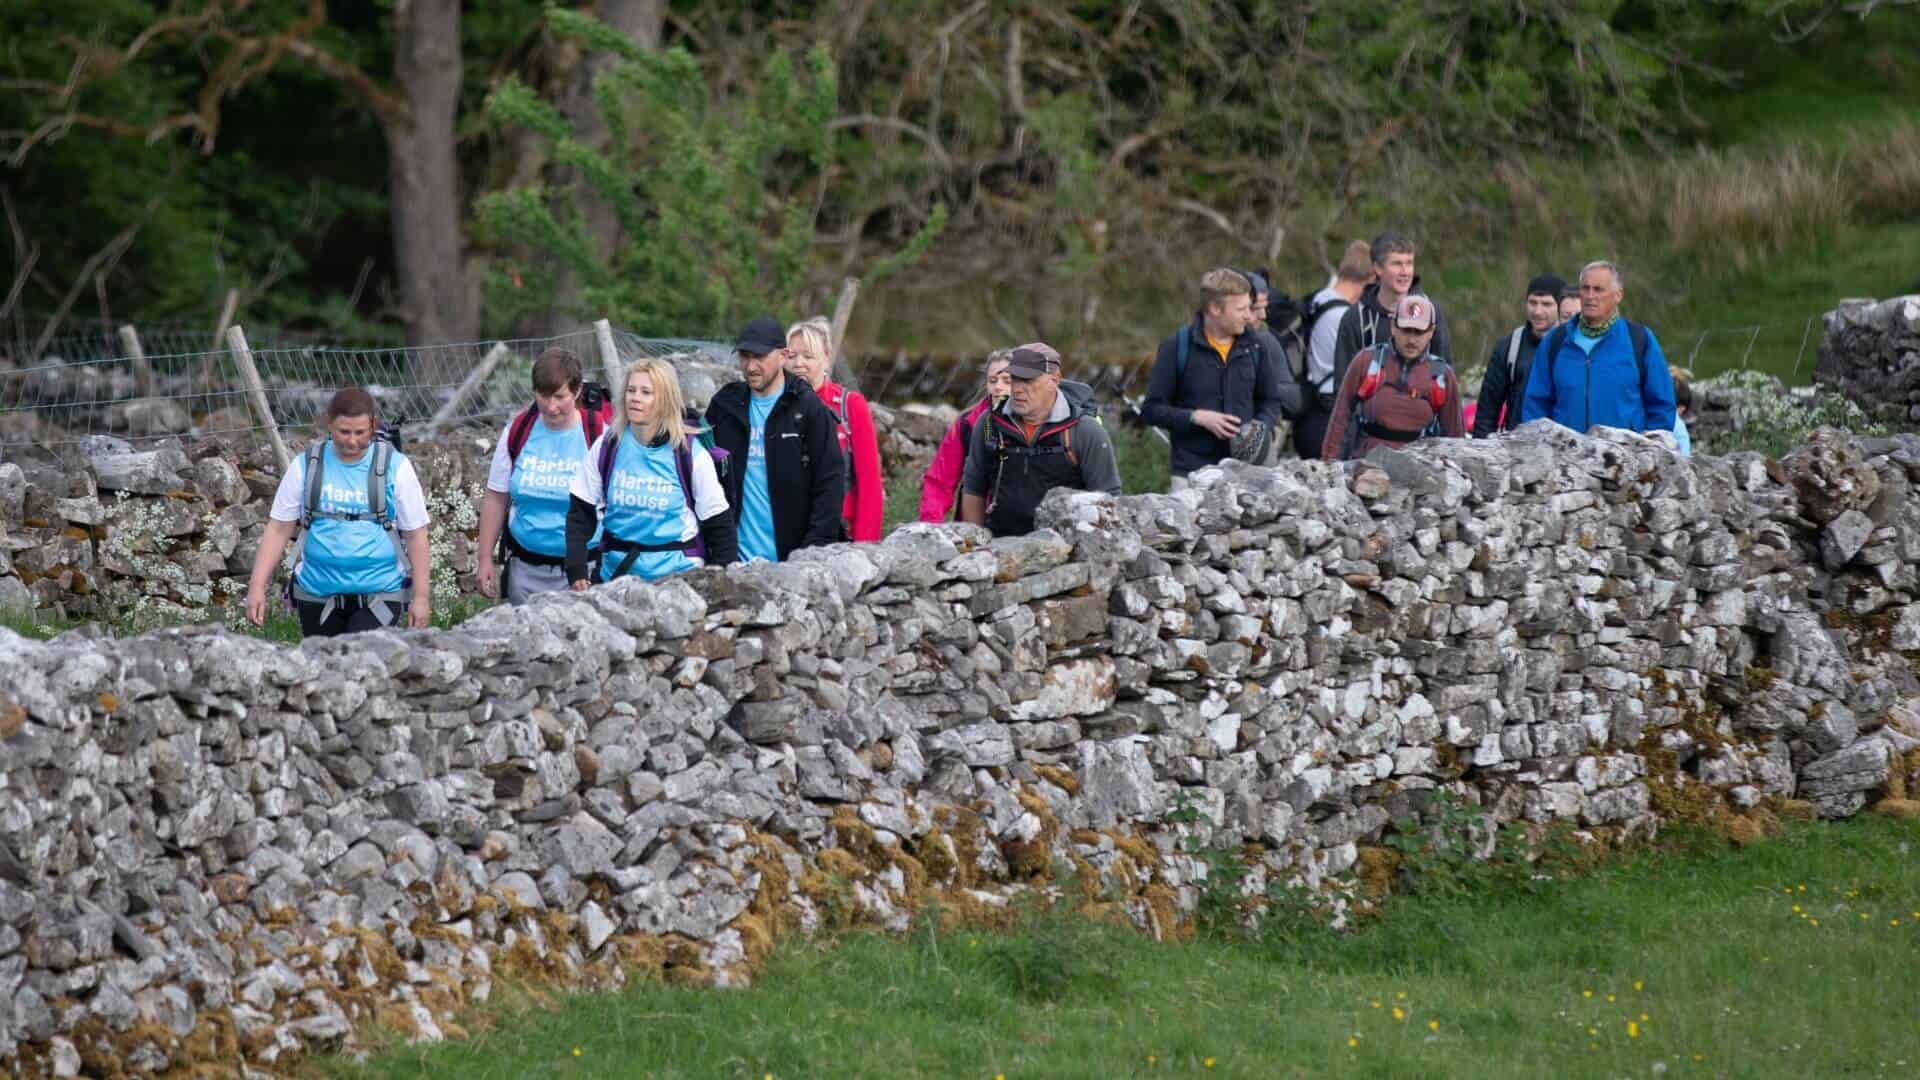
<point x="315" y="464"/>
<point x="592" y="423"/>
<point x="683" y="459"/>
<point x="1638" y="335"/>
<point x="1555" y="339"/>
<point x="520" y="432"/>
<point x="1513" y="350"/>
<point x="1182" y="345"/>
<point x="377" y="483"/>
<point x="1066" y="443"/>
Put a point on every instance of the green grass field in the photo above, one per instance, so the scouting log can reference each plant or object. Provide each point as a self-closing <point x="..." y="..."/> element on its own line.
<point x="1795" y="957"/>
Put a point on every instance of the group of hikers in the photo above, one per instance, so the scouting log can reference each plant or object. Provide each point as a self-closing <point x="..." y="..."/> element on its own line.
<point x="587" y="486"/>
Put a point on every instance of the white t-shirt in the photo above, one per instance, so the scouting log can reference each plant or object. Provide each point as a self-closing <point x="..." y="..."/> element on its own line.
<point x="709" y="498"/>
<point x="409" y="502"/>
<point x="1320" y="345"/>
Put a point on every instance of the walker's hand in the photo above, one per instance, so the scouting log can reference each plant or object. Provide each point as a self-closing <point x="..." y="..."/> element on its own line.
<point x="256" y="607"/>
<point x="489" y="577"/>
<point x="420" y="615"/>
<point x="579" y="586"/>
<point x="1222" y="425"/>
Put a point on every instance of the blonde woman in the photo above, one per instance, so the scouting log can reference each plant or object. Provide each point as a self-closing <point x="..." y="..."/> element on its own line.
<point x="650" y="487"/>
<point x="810" y="356"/>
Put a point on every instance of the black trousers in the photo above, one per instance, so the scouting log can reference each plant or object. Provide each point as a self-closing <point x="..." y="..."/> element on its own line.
<point x="1310" y="431"/>
<point x="342" y="621"/>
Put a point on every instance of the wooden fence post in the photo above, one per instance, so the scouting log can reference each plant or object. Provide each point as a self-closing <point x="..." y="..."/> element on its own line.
<point x="609" y="356"/>
<point x="257" y="391"/>
<point x="472" y="382"/>
<point x="137" y="359"/>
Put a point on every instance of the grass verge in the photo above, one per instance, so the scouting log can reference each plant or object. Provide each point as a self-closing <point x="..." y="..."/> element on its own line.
<point x="1787" y="958"/>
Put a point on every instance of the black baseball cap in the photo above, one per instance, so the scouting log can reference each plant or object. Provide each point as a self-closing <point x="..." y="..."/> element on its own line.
<point x="761" y="336"/>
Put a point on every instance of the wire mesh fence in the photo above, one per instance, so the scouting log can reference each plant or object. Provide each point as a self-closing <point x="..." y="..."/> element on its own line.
<point x="203" y="393"/>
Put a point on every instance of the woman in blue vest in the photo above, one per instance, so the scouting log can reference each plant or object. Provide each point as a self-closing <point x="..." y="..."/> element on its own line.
<point x="650" y="487"/>
<point x="524" y="512"/>
<point x="364" y="517"/>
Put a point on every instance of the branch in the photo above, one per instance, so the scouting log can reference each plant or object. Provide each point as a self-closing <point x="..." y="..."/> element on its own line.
<point x="102" y="261"/>
<point x="907" y="126"/>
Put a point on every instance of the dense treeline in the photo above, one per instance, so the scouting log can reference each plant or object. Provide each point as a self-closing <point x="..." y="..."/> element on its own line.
<point x="460" y="169"/>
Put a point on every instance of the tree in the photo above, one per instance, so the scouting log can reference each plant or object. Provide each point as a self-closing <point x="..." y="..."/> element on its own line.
<point x="716" y="203"/>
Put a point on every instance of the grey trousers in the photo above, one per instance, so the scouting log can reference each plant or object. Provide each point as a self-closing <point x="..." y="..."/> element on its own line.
<point x="524" y="579"/>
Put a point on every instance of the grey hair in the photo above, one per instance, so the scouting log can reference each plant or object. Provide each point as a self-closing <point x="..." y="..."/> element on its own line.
<point x="1619" y="281"/>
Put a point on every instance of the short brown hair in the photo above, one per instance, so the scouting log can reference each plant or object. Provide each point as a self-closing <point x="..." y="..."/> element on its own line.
<point x="557" y="369"/>
<point x="1682" y="390"/>
<point x="352" y="401"/>
<point x="1357" y="263"/>
<point x="1218" y="285"/>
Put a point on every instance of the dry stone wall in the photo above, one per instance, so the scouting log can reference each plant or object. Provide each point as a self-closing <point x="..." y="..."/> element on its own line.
<point x="212" y="847"/>
<point x="1871" y="353"/>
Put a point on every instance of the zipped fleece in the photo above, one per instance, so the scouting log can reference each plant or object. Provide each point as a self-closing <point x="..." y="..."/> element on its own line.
<point x="1582" y="390"/>
<point x="1255" y="383"/>
<point x="806" y="472"/>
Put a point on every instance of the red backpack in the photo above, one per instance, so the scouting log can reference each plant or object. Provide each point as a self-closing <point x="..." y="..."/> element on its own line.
<point x="596" y="412"/>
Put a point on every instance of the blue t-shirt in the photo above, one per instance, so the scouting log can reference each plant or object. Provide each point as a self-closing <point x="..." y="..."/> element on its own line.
<point x="349" y="558"/>
<point x="646" y="505"/>
<point x="1682" y="436"/>
<point x="756" y="505"/>
<point x="541" y="477"/>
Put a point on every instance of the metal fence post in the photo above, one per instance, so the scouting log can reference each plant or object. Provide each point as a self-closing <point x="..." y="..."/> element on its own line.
<point x="257" y="391"/>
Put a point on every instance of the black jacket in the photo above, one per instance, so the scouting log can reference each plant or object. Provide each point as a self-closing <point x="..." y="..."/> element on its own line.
<point x="806" y="473"/>
<point x="1504" y="385"/>
<point x="1366" y="324"/>
<point x="1255" y="383"/>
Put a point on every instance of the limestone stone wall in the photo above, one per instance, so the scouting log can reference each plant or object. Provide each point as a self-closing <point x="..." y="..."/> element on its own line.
<point x="1871" y="353"/>
<point x="217" y="848"/>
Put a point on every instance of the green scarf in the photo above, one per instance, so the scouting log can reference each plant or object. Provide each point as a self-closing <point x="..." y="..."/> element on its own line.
<point x="1600" y="331"/>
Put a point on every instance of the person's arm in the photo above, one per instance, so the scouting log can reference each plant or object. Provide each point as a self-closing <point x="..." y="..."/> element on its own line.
<point x="1442" y="345"/>
<point x="420" y="558"/>
<point x="829" y="491"/>
<point x="583" y="513"/>
<point x="869" y="492"/>
<point x="943" y="475"/>
<point x="1452" y="421"/>
<point x="582" y="518"/>
<point x="1657" y="389"/>
<point x="1332" y="445"/>
<point x="1275" y="390"/>
<point x="1538" y="403"/>
<point x="977" y="482"/>
<point x="273" y="545"/>
<point x="1157" y="408"/>
<point x="1099" y="470"/>
<point x="493" y="518"/>
<point x="1346" y="343"/>
<point x="1493" y="391"/>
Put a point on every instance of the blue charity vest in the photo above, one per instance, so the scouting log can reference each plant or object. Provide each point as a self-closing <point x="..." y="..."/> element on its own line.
<point x="756" y="504"/>
<point x="349" y="558"/>
<point x="540" y="487"/>
<point x="645" y="505"/>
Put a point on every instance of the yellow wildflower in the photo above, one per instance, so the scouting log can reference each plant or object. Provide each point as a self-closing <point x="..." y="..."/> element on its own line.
<point x="1152" y="1060"/>
<point x="1401" y="996"/>
<point x="576" y="1051"/>
<point x="1813" y="922"/>
<point x="1586" y="993"/>
<point x="1208" y="1063"/>
<point x="1610" y="999"/>
<point x="1433" y="1025"/>
<point x="1375" y="1004"/>
<point x="1633" y="1030"/>
<point x="1638" y="985"/>
<point x="1353" y="1040"/>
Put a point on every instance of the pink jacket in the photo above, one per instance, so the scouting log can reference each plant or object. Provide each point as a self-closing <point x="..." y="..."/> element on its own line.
<point x="943" y="476"/>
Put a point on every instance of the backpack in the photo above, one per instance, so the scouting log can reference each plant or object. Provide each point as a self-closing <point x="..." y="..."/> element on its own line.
<point x="596" y="412"/>
<point x="1635" y="333"/>
<point x="997" y="443"/>
<point x="1292" y="321"/>
<point x="845" y="432"/>
<point x="1370" y="385"/>
<point x="313" y="458"/>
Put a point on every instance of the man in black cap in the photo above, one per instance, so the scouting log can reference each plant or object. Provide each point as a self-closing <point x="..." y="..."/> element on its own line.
<point x="1042" y="437"/>
<point x="788" y="478"/>
<point x="1506" y="379"/>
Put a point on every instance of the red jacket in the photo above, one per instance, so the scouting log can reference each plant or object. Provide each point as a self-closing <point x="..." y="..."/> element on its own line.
<point x="949" y="462"/>
<point x="866" y="491"/>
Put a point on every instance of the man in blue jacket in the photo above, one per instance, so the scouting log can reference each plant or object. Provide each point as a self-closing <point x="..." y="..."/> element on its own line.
<point x="1598" y="369"/>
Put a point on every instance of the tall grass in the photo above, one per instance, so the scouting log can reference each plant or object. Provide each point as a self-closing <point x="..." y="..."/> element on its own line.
<point x="1733" y="207"/>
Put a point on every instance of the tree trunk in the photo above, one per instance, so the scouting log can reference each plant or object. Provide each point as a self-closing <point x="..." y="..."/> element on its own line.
<point x="439" y="294"/>
<point x="640" y="21"/>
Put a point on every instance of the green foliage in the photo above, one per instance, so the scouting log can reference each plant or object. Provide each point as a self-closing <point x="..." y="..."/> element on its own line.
<point x="1773" y="419"/>
<point x="1050" y="952"/>
<point x="717" y="201"/>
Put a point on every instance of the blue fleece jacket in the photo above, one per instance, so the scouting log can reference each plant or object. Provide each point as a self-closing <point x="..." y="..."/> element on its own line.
<point x="1596" y="382"/>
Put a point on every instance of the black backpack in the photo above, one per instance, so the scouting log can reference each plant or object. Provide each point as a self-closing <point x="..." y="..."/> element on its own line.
<point x="1292" y="321"/>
